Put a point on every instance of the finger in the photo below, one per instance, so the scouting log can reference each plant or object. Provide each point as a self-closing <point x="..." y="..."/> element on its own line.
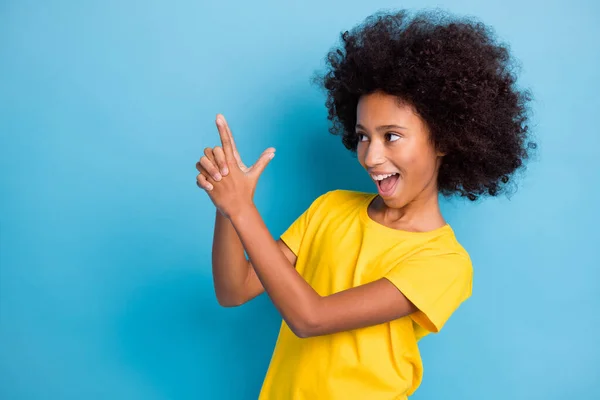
<point x="210" y="168"/>
<point x="268" y="150"/>
<point x="261" y="164"/>
<point x="265" y="153"/>
<point x="203" y="183"/>
<point x="225" y="136"/>
<point x="236" y="154"/>
<point x="220" y="160"/>
<point x="208" y="153"/>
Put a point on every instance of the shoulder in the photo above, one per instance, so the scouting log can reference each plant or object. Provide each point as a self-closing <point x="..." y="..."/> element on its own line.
<point x="443" y="241"/>
<point x="440" y="250"/>
<point x="340" y="198"/>
<point x="455" y="247"/>
<point x="440" y="262"/>
<point x="446" y="252"/>
<point x="336" y="204"/>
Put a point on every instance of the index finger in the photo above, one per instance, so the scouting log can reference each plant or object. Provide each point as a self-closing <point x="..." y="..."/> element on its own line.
<point x="236" y="155"/>
<point x="226" y="138"/>
<point x="233" y="146"/>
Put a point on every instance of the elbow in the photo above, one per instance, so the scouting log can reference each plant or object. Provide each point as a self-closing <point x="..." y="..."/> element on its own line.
<point x="306" y="327"/>
<point x="302" y="334"/>
<point x="229" y="301"/>
<point x="308" y="321"/>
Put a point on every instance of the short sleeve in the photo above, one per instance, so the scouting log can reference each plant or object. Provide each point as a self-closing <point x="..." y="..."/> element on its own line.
<point x="435" y="284"/>
<point x="294" y="234"/>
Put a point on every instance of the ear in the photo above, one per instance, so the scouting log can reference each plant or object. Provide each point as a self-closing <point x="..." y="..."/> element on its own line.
<point x="439" y="150"/>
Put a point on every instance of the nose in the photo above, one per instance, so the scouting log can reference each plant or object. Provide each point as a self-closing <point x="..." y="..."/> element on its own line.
<point x="374" y="154"/>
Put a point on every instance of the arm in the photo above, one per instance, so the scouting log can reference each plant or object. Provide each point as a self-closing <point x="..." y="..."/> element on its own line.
<point x="304" y="310"/>
<point x="235" y="280"/>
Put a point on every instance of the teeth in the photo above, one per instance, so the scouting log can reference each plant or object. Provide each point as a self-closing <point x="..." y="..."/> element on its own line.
<point x="382" y="177"/>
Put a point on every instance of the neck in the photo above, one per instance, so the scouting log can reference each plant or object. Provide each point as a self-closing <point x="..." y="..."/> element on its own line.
<point x="420" y="214"/>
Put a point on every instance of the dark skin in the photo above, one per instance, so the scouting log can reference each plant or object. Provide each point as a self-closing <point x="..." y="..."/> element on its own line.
<point x="394" y="139"/>
<point x="271" y="267"/>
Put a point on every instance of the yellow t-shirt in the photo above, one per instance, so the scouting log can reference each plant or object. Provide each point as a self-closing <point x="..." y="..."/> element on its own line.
<point x="339" y="247"/>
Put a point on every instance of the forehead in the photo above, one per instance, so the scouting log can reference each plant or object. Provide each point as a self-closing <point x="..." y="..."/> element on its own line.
<point x="383" y="109"/>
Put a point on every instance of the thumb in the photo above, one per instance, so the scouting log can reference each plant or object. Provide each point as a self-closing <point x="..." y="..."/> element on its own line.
<point x="263" y="161"/>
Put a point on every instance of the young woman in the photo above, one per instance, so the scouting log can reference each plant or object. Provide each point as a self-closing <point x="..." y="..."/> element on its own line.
<point x="429" y="105"/>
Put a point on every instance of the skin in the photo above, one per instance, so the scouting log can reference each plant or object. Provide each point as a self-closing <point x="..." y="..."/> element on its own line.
<point x="393" y="138"/>
<point x="413" y="206"/>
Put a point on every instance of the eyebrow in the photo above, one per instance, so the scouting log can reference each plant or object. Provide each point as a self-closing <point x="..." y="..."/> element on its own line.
<point x="382" y="127"/>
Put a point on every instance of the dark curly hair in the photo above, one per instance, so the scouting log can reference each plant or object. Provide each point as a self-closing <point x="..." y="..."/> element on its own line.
<point x="457" y="78"/>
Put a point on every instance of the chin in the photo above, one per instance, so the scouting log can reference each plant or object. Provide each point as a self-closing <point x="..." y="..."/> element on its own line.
<point x="394" y="202"/>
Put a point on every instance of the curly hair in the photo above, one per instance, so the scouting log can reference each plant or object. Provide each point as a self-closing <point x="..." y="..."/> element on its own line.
<point x="457" y="78"/>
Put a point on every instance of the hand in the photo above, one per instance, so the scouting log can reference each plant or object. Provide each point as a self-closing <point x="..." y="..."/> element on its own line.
<point x="228" y="181"/>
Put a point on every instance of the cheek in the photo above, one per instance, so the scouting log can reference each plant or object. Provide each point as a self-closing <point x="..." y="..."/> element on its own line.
<point x="417" y="163"/>
<point x="408" y="159"/>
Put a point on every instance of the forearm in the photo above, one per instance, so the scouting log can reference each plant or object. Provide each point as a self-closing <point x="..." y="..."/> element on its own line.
<point x="295" y="299"/>
<point x="229" y="264"/>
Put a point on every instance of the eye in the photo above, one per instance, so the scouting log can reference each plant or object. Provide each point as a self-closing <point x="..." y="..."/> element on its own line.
<point x="362" y="137"/>
<point x="392" y="137"/>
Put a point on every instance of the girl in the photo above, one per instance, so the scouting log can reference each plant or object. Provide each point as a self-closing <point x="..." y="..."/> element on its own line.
<point x="429" y="106"/>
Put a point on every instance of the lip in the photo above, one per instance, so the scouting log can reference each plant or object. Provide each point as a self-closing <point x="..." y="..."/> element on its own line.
<point x="387" y="193"/>
<point x="381" y="172"/>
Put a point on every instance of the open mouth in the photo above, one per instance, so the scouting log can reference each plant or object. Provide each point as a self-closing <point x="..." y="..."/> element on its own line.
<point x="386" y="184"/>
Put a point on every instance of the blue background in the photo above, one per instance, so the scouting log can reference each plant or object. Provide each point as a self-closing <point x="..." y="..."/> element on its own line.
<point x="105" y="282"/>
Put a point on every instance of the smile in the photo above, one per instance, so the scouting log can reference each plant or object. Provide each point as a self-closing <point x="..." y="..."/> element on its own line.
<point x="382" y="177"/>
<point x="386" y="183"/>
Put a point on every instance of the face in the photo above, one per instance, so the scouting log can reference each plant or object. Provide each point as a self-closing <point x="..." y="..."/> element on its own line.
<point x="395" y="148"/>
